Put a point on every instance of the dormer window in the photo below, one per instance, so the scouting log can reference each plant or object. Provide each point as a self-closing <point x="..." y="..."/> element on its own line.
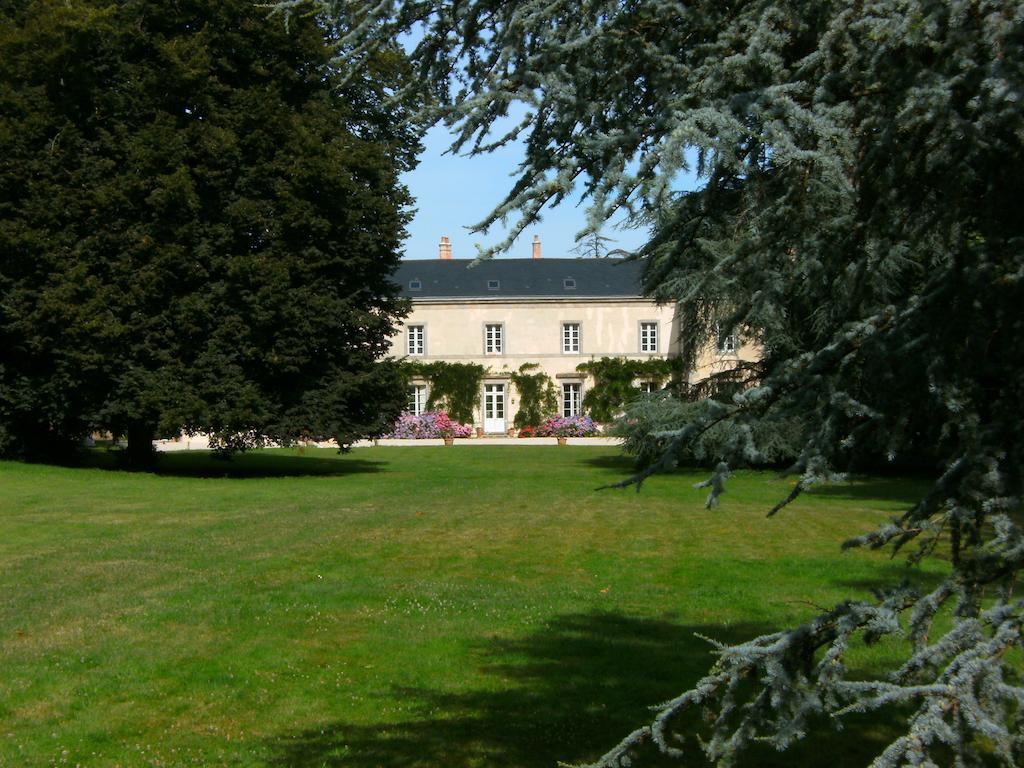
<point x="415" y="285"/>
<point x="493" y="285"/>
<point x="569" y="284"/>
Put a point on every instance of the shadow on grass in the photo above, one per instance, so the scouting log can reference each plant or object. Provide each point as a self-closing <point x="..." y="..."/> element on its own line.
<point x="624" y="465"/>
<point x="904" y="491"/>
<point x="900" y="490"/>
<point x="889" y="576"/>
<point x="203" y="464"/>
<point x="567" y="693"/>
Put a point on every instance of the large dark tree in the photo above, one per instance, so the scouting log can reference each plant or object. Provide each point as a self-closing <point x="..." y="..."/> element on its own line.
<point x="860" y="216"/>
<point x="197" y="225"/>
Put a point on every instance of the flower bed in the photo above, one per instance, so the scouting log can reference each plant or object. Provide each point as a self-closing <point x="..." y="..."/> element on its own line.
<point x="562" y="426"/>
<point x="430" y="424"/>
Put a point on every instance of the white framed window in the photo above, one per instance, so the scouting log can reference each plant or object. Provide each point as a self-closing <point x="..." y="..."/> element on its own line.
<point x="494" y="339"/>
<point x="728" y="344"/>
<point x="415" y="336"/>
<point x="417" y="399"/>
<point x="648" y="336"/>
<point x="572" y="399"/>
<point x="648" y="387"/>
<point x="570" y="338"/>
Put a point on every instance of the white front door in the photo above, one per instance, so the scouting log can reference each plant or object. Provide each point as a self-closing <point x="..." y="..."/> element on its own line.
<point x="494" y="408"/>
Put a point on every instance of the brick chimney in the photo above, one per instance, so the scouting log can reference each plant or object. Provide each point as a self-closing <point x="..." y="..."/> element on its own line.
<point x="445" y="248"/>
<point x="536" y="246"/>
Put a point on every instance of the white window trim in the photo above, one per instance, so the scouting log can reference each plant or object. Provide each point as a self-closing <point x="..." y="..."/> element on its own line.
<point x="423" y="339"/>
<point x="579" y="401"/>
<point x="720" y="343"/>
<point x="502" y="341"/>
<point x="657" y="337"/>
<point x="419" y="406"/>
<point x="579" y="338"/>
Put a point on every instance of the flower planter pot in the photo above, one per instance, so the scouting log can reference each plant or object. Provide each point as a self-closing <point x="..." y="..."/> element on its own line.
<point x="562" y="440"/>
<point x="449" y="441"/>
<point x="479" y="431"/>
<point x="511" y="431"/>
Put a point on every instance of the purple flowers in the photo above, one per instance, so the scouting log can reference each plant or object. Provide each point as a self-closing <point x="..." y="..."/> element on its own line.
<point x="427" y="425"/>
<point x="567" y="426"/>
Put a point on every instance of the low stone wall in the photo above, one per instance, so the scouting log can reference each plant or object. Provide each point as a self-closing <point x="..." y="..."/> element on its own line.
<point x="471" y="441"/>
<point x="200" y="442"/>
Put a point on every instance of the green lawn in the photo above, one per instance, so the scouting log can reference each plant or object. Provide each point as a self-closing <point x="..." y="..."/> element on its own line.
<point x="397" y="606"/>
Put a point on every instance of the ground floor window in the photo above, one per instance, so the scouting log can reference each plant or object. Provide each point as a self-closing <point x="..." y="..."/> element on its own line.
<point x="572" y="399"/>
<point x="417" y="399"/>
<point x="647" y="387"/>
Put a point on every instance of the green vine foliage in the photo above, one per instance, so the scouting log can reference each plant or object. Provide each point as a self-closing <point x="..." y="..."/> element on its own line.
<point x="538" y="397"/>
<point x="455" y="387"/>
<point x="613" y="382"/>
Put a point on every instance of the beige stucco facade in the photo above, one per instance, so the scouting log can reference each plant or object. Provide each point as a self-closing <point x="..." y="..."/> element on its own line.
<point x="532" y="331"/>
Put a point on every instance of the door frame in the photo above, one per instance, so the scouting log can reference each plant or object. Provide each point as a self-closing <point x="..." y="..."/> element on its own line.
<point x="504" y="407"/>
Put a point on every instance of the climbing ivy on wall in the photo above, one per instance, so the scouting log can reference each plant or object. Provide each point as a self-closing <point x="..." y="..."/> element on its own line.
<point x="613" y="382"/>
<point x="454" y="387"/>
<point x="538" y="397"/>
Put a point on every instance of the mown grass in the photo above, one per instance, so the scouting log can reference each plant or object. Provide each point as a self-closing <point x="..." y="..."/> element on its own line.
<point x="478" y="606"/>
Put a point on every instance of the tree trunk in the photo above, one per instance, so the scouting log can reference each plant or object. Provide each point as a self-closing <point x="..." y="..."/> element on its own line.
<point x="140" y="453"/>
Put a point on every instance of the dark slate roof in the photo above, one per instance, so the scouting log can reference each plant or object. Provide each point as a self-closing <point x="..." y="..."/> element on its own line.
<point x="544" y="278"/>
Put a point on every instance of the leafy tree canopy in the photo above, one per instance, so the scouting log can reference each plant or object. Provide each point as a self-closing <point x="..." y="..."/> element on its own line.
<point x="198" y="220"/>
<point x="614" y="386"/>
<point x="863" y="170"/>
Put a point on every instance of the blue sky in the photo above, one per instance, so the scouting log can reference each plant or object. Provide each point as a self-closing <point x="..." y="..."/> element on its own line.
<point x="452" y="192"/>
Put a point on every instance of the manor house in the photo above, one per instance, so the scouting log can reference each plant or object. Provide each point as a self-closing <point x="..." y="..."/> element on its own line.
<point x="555" y="313"/>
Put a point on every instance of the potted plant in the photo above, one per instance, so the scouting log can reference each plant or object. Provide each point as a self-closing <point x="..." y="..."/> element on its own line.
<point x="429" y="425"/>
<point x="564" y="427"/>
<point x="558" y="427"/>
<point x="446" y="427"/>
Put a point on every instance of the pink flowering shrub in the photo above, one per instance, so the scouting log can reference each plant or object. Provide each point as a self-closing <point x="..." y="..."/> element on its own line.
<point x="428" y="424"/>
<point x="567" y="426"/>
